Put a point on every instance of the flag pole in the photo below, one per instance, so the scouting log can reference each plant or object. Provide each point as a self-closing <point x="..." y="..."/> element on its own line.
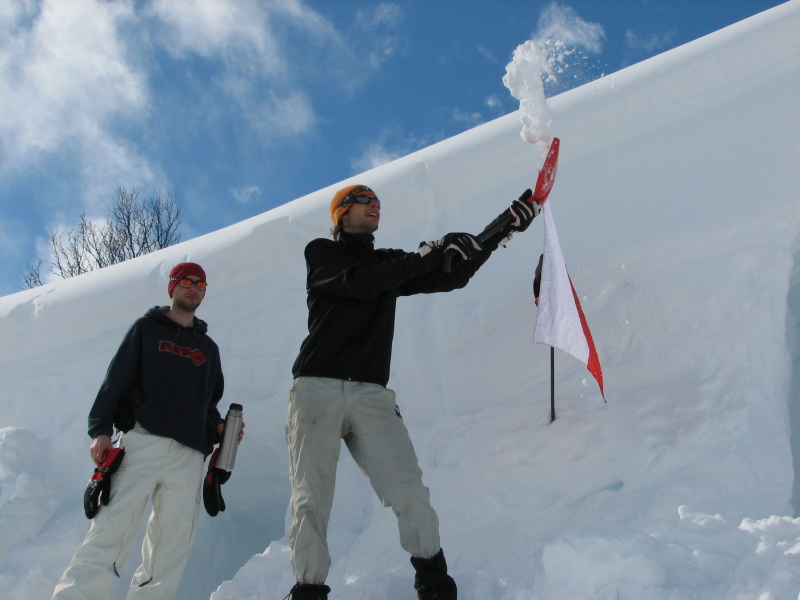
<point x="552" y="384"/>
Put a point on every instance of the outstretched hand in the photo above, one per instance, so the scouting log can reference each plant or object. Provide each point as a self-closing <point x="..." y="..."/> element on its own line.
<point x="465" y="244"/>
<point x="523" y="213"/>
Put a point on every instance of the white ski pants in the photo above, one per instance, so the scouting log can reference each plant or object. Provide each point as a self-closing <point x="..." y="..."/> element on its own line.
<point x="321" y="413"/>
<point x="168" y="474"/>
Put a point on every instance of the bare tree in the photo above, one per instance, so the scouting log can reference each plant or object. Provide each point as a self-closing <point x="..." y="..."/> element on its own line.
<point x="132" y="227"/>
<point x="32" y="277"/>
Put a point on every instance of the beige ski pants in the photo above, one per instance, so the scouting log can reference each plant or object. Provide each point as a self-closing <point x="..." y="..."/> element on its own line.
<point x="168" y="474"/>
<point x="321" y="413"/>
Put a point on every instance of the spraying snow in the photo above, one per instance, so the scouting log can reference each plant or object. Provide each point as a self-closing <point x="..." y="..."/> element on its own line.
<point x="523" y="79"/>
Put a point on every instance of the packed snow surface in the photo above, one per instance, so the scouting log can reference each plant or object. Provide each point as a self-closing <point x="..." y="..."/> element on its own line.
<point x="677" y="202"/>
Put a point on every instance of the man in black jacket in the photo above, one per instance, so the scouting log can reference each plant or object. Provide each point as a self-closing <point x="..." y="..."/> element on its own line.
<point x="162" y="390"/>
<point x="340" y="377"/>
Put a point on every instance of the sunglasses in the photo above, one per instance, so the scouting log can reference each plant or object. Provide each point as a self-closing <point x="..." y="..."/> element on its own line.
<point x="187" y="283"/>
<point x="358" y="196"/>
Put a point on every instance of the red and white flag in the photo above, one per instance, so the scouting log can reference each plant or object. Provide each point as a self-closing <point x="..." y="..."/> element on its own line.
<point x="560" y="321"/>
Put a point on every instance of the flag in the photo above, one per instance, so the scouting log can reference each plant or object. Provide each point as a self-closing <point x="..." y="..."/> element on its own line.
<point x="560" y="322"/>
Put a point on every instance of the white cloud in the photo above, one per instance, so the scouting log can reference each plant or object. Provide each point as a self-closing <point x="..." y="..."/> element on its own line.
<point x="649" y="43"/>
<point x="381" y="151"/>
<point x="560" y="23"/>
<point x="64" y="77"/>
<point x="487" y="53"/>
<point x="246" y="194"/>
<point x="67" y="82"/>
<point x="375" y="155"/>
<point x="108" y="161"/>
<point x="246" y="56"/>
<point x="85" y="83"/>
<point x="290" y="114"/>
<point x="493" y="101"/>
<point x="72" y="71"/>
<point x="238" y="32"/>
<point x="390" y="145"/>
<point x="376" y="27"/>
<point x="251" y="48"/>
<point x="74" y="75"/>
<point x="472" y="119"/>
<point x="12" y="234"/>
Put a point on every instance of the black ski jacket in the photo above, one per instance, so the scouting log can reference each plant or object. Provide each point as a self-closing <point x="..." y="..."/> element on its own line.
<point x="169" y="376"/>
<point x="352" y="293"/>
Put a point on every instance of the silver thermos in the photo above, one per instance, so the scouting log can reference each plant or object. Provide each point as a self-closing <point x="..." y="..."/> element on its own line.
<point x="230" y="438"/>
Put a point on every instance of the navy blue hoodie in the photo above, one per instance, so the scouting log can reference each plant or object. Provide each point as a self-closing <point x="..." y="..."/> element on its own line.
<point x="171" y="377"/>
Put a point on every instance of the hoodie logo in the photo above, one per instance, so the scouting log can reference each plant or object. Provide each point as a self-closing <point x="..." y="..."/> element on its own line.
<point x="197" y="356"/>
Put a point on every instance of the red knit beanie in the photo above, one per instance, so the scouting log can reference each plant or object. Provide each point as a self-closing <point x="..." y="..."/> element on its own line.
<point x="337" y="210"/>
<point x="184" y="270"/>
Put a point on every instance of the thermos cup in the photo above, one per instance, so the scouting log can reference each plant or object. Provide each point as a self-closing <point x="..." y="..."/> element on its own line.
<point x="230" y="438"/>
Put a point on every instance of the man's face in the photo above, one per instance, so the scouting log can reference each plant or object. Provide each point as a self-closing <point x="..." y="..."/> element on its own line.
<point x="362" y="218"/>
<point x="188" y="299"/>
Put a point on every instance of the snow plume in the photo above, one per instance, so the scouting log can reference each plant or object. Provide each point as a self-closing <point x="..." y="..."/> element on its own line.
<point x="524" y="79"/>
<point x="553" y="61"/>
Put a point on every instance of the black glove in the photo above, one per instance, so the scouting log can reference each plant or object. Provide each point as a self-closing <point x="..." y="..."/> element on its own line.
<point x="99" y="489"/>
<point x="524" y="213"/>
<point x="212" y="492"/>
<point x="467" y="245"/>
<point x="431" y="253"/>
<point x="426" y="248"/>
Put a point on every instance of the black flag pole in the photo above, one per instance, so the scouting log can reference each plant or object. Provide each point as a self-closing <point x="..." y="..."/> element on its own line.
<point x="537" y="283"/>
<point x="552" y="384"/>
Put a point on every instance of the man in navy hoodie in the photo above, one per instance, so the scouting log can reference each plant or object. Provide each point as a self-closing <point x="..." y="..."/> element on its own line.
<point x="161" y="390"/>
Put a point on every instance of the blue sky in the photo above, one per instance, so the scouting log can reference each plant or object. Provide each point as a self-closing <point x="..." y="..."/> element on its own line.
<point x="236" y="107"/>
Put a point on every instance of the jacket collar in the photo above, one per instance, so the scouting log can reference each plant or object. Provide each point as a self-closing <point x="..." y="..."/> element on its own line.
<point x="358" y="239"/>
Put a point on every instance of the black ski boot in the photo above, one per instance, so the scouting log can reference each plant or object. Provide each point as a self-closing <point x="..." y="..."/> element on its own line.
<point x="308" y="591"/>
<point x="432" y="581"/>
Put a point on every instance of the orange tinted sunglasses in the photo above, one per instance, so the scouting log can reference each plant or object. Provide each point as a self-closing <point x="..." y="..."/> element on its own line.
<point x="187" y="283"/>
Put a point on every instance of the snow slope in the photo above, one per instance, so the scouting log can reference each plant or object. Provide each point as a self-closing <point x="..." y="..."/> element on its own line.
<point x="677" y="206"/>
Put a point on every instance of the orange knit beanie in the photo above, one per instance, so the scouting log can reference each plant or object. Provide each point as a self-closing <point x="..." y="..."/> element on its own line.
<point x="337" y="210"/>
